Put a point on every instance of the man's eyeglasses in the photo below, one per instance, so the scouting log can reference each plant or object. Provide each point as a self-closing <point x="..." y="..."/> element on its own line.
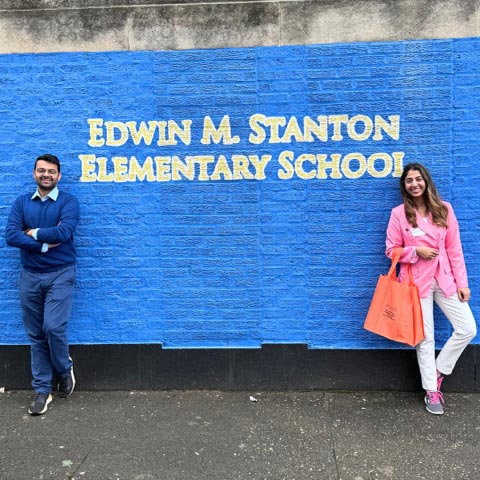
<point x="41" y="171"/>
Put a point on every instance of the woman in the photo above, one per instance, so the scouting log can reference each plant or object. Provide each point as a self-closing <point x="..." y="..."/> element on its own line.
<point x="427" y="229"/>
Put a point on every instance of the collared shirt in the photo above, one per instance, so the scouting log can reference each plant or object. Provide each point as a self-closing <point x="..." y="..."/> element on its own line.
<point x="52" y="195"/>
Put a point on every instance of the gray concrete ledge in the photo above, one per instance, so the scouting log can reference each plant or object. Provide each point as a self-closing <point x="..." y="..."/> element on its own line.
<point x="74" y="25"/>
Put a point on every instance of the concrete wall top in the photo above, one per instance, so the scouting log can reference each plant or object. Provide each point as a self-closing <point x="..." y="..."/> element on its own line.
<point x="28" y="26"/>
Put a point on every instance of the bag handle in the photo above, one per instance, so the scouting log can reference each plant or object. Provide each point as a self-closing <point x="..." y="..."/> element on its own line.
<point x="410" y="275"/>
<point x="397" y="252"/>
<point x="392" y="273"/>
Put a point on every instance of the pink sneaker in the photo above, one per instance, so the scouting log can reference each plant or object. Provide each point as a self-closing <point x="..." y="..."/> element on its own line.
<point x="440" y="379"/>
<point x="434" y="402"/>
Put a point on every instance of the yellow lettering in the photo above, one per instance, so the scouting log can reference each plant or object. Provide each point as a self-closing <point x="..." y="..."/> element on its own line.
<point x="223" y="134"/>
<point x="203" y="162"/>
<point x="112" y="140"/>
<point x="88" y="168"/>
<point x="163" y="168"/>
<point x="398" y="163"/>
<point x="285" y="160"/>
<point x="240" y="167"/>
<point x="137" y="172"/>
<point x="333" y="164"/>
<point x="274" y="123"/>
<point x="320" y="129"/>
<point x="257" y="129"/>
<point x="367" y="127"/>
<point x="142" y="134"/>
<point x="103" y="176"/>
<point x="221" y="168"/>
<point x="301" y="173"/>
<point x="387" y="165"/>
<point x="120" y="168"/>
<point x="162" y="133"/>
<point x="174" y="130"/>
<point x="392" y="129"/>
<point x="96" y="133"/>
<point x="185" y="169"/>
<point x="292" y="130"/>
<point x="260" y="165"/>
<point x="336" y="121"/>
<point x="362" y="165"/>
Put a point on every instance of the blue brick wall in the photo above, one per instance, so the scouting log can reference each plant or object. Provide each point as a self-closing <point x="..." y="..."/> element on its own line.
<point x="222" y="253"/>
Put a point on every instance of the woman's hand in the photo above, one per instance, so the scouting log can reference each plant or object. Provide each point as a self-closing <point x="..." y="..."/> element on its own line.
<point x="427" y="253"/>
<point x="463" y="294"/>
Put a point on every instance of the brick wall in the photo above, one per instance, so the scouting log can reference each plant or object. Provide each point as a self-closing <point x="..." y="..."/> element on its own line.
<point x="252" y="209"/>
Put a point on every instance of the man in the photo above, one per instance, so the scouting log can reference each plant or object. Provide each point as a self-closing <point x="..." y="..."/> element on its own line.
<point x="42" y="227"/>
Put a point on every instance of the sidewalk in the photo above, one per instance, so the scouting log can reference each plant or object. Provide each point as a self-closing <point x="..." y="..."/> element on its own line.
<point x="185" y="435"/>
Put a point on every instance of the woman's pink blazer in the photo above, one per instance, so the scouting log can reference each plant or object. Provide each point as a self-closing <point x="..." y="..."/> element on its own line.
<point x="448" y="267"/>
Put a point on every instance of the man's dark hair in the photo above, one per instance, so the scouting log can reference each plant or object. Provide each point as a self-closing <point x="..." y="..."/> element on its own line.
<point x="48" y="157"/>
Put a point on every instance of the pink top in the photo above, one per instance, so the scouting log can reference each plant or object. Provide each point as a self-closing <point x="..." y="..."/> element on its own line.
<point x="448" y="268"/>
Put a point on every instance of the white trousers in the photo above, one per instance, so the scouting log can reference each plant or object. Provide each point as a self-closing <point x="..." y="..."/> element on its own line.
<point x="464" y="329"/>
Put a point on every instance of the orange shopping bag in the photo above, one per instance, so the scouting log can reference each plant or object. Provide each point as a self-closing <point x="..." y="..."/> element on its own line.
<point x="395" y="311"/>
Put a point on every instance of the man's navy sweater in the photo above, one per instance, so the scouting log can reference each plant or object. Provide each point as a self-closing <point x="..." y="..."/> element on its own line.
<point x="56" y="221"/>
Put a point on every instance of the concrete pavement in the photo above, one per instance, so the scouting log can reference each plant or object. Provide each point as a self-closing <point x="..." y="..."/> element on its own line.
<point x="184" y="435"/>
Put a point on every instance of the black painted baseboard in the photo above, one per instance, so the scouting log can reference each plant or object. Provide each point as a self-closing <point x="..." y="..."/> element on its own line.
<point x="273" y="367"/>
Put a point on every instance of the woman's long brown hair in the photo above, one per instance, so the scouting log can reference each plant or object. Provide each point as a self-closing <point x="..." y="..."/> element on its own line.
<point x="433" y="202"/>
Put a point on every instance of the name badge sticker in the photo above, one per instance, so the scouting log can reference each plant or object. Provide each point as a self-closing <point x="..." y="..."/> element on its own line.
<point x="417" y="232"/>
